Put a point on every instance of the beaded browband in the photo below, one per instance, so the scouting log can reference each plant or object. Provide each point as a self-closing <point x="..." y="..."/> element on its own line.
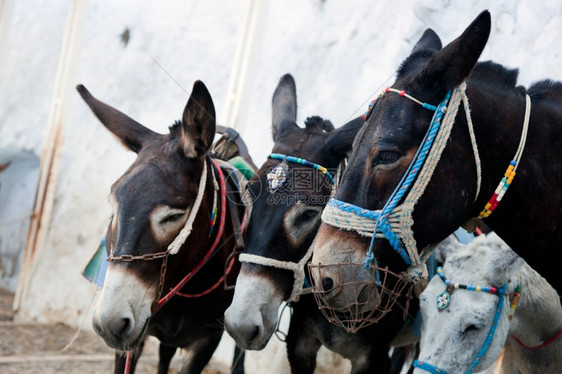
<point x="302" y="161"/>
<point x="401" y="93"/>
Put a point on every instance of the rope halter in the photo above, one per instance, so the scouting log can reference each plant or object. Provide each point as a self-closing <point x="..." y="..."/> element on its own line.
<point x="276" y="177"/>
<point x="443" y="300"/>
<point x="394" y="221"/>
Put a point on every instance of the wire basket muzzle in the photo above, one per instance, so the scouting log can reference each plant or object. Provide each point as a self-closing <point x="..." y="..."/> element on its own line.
<point x="357" y="297"/>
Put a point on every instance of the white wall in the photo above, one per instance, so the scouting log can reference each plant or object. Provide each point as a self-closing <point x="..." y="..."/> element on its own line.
<point x="340" y="52"/>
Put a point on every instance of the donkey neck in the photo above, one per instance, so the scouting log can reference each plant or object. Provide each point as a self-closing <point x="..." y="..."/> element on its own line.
<point x="538" y="316"/>
<point x="528" y="218"/>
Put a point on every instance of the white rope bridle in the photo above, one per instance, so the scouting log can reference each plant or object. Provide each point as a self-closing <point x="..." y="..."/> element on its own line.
<point x="182" y="236"/>
<point x="296" y="267"/>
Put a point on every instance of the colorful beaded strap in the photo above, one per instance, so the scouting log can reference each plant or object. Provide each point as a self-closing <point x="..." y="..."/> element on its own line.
<point x="302" y="161"/>
<point x="447" y="281"/>
<point x="511" y="169"/>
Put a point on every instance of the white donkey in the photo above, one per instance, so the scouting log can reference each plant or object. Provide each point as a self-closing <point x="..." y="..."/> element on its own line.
<point x="464" y="330"/>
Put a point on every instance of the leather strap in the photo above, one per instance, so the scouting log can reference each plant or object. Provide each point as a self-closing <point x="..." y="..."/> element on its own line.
<point x="235" y="137"/>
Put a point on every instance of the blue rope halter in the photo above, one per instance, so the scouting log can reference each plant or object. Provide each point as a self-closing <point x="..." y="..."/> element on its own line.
<point x="501" y="292"/>
<point x="408" y="178"/>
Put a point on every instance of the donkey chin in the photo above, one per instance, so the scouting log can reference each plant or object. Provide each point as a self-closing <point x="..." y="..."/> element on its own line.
<point x="123" y="311"/>
<point x="251" y="318"/>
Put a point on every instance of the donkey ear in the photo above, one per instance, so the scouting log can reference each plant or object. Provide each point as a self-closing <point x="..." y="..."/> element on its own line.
<point x="131" y="133"/>
<point x="428" y="41"/>
<point x="341" y="139"/>
<point x="198" y="122"/>
<point x="284" y="105"/>
<point x="452" y="65"/>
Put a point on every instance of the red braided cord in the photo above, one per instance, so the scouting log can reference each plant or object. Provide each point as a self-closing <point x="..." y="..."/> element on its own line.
<point x="549" y="341"/>
<point x="213" y="287"/>
<point x="128" y="362"/>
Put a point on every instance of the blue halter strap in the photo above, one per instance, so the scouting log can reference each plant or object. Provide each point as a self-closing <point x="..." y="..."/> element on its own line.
<point x="501" y="292"/>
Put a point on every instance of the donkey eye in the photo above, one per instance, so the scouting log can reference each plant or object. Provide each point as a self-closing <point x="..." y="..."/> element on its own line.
<point x="309" y="214"/>
<point x="386" y="157"/>
<point x="470" y="328"/>
<point x="172" y="218"/>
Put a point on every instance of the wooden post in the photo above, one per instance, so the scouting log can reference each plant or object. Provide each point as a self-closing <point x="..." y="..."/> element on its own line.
<point x="245" y="60"/>
<point x="50" y="159"/>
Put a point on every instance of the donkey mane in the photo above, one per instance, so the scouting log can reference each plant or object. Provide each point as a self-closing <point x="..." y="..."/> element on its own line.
<point x="299" y="137"/>
<point x="317" y="123"/>
<point x="492" y="72"/>
<point x="546" y="89"/>
<point x="175" y="129"/>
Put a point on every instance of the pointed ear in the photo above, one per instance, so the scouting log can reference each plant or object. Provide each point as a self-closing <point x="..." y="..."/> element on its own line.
<point x="429" y="41"/>
<point x="284" y="103"/>
<point x="131" y="133"/>
<point x="198" y="122"/>
<point x="452" y="65"/>
<point x="340" y="140"/>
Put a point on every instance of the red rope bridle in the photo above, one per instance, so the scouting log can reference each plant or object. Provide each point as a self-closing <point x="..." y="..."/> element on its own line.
<point x="549" y="341"/>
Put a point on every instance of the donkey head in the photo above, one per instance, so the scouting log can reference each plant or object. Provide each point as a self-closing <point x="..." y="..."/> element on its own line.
<point x="385" y="147"/>
<point x="452" y="337"/>
<point x="284" y="218"/>
<point x="151" y="202"/>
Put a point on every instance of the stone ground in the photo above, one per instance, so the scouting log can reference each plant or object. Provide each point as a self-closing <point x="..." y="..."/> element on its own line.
<point x="40" y="349"/>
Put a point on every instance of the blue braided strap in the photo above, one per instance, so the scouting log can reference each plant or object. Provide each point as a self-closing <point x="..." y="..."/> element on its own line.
<point x="361" y="212"/>
<point x="490" y="336"/>
<point x="405" y="184"/>
<point x="350" y="217"/>
<point x="428" y="367"/>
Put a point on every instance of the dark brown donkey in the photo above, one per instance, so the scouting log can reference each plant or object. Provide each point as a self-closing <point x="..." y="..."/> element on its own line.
<point x="162" y="233"/>
<point x="528" y="218"/>
<point x="282" y="225"/>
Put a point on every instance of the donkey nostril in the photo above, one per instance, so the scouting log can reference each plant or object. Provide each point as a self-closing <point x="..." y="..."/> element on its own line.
<point x="327" y="284"/>
<point x="254" y="334"/>
<point x="126" y="327"/>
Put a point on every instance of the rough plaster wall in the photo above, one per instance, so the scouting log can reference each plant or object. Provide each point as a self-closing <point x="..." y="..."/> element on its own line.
<point x="17" y="193"/>
<point x="340" y="54"/>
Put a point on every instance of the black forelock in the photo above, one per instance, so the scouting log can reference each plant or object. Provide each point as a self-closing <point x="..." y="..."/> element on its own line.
<point x="407" y="66"/>
<point x="318" y="123"/>
<point x="175" y="129"/>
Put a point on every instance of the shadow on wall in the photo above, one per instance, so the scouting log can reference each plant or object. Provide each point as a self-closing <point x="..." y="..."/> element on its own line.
<point x="19" y="174"/>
